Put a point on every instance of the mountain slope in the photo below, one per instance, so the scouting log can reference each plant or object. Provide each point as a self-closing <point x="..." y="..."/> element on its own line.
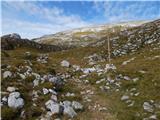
<point x="84" y="36"/>
<point x="12" y="41"/>
<point x="128" y="91"/>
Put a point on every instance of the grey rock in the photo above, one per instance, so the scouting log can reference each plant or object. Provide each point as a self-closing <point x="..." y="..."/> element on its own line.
<point x="15" y="35"/>
<point x="69" y="111"/>
<point x="22" y="76"/>
<point x="153" y="117"/>
<point x="45" y="91"/>
<point x="77" y="106"/>
<point x="35" y="82"/>
<point x="15" y="101"/>
<point x="66" y="103"/>
<point x="54" y="98"/>
<point x="147" y="107"/>
<point x="53" y="92"/>
<point x="53" y="106"/>
<point x="110" y="67"/>
<point x="58" y="82"/>
<point x="7" y="74"/>
<point x="11" y="89"/>
<point x="65" y="63"/>
<point x="124" y="97"/>
<point x="68" y="94"/>
<point x="4" y="99"/>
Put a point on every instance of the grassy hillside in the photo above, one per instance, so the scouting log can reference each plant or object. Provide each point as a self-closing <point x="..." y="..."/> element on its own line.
<point x="128" y="91"/>
<point x="145" y="67"/>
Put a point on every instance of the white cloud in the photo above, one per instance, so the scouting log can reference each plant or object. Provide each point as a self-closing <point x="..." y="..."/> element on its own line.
<point x="51" y="20"/>
<point x="116" y="11"/>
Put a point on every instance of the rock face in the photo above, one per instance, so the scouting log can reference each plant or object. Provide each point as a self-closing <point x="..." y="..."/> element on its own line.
<point x="15" y="101"/>
<point x="15" y="36"/>
<point x="12" y="41"/>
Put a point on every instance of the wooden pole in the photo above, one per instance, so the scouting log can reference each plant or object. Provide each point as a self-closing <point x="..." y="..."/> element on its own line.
<point x="109" y="55"/>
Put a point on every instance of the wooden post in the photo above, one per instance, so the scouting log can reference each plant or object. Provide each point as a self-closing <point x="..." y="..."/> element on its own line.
<point x="109" y="55"/>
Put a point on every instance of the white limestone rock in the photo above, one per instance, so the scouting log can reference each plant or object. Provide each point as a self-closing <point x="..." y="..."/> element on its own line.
<point x="69" y="111"/>
<point x="77" y="106"/>
<point x="45" y="91"/>
<point x="35" y="82"/>
<point x="147" y="107"/>
<point x="53" y="106"/>
<point x="124" y="97"/>
<point x="22" y="76"/>
<point x="65" y="63"/>
<point x="54" y="98"/>
<point x="110" y="67"/>
<point x="7" y="74"/>
<point x="4" y="99"/>
<point x="15" y="101"/>
<point x="68" y="94"/>
<point x="11" y="89"/>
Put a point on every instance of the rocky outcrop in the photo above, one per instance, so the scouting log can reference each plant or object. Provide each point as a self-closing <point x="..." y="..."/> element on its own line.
<point x="131" y="39"/>
<point x="12" y="41"/>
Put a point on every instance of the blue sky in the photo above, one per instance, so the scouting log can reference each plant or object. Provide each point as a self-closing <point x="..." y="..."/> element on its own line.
<point x="37" y="18"/>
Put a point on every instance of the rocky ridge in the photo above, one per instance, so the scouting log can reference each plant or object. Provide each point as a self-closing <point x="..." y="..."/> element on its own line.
<point x="12" y="41"/>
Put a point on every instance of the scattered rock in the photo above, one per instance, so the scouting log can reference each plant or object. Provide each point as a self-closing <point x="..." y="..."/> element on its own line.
<point x="124" y="97"/>
<point x="7" y="74"/>
<point x="22" y="76"/>
<point x="70" y="94"/>
<point x="4" y="99"/>
<point x="43" y="58"/>
<point x="69" y="111"/>
<point x="65" y="63"/>
<point x="153" y="117"/>
<point x="110" y="67"/>
<point x="147" y="107"/>
<point x="54" y="98"/>
<point x="35" y="82"/>
<point x="11" y="89"/>
<point x="66" y="103"/>
<point x="88" y="70"/>
<point x="126" y="78"/>
<point x="77" y="106"/>
<point x="15" y="101"/>
<point x="126" y="62"/>
<point x="45" y="91"/>
<point x="58" y="82"/>
<point x="54" y="107"/>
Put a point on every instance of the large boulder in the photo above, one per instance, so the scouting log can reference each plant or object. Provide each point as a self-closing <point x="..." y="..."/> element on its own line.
<point x="15" y="101"/>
